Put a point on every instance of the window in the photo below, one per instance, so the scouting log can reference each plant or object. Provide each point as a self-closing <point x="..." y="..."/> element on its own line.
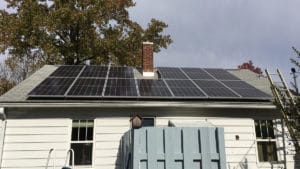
<point x="266" y="142"/>
<point x="82" y="141"/>
<point x="148" y="122"/>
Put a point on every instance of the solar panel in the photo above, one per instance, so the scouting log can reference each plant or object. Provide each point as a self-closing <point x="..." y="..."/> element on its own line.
<point x="120" y="87"/>
<point x="121" y="72"/>
<point x="214" y="88"/>
<point x="87" y="87"/>
<point x="149" y="87"/>
<point x="84" y="82"/>
<point x="184" y="88"/>
<point x="171" y="73"/>
<point x="245" y="90"/>
<point x="67" y="71"/>
<point x="94" y="71"/>
<point x="221" y="74"/>
<point x="52" y="87"/>
<point x="197" y="73"/>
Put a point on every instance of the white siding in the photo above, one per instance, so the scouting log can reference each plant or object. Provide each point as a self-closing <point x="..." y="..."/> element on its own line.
<point x="290" y="150"/>
<point x="108" y="133"/>
<point x="239" y="153"/>
<point x="28" y="141"/>
<point x="2" y="128"/>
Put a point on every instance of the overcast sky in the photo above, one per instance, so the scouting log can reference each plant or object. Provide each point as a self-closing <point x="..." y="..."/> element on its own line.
<point x="214" y="33"/>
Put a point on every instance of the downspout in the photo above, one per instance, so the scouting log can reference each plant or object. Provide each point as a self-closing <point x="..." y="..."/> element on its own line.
<point x="2" y="134"/>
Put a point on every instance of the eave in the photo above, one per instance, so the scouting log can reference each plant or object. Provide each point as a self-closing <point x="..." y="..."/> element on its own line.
<point x="142" y="104"/>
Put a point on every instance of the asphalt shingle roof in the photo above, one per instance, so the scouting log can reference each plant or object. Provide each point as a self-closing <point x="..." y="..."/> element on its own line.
<point x="20" y="92"/>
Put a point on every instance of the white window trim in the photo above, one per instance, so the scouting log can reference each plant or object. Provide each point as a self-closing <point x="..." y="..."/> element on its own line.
<point x="85" y="141"/>
<point x="152" y="117"/>
<point x="275" y="139"/>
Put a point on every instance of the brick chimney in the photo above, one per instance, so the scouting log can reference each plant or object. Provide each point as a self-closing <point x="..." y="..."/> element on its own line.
<point x="148" y="59"/>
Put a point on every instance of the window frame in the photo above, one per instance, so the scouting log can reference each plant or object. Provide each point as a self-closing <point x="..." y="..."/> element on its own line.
<point x="149" y="117"/>
<point x="84" y="141"/>
<point x="152" y="117"/>
<point x="267" y="139"/>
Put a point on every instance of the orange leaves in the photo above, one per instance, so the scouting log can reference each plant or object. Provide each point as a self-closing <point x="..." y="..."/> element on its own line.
<point x="249" y="65"/>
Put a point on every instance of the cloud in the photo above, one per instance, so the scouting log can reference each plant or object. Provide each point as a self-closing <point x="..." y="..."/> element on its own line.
<point x="225" y="33"/>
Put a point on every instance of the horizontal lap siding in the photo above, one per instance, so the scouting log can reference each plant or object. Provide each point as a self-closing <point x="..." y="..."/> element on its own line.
<point x="108" y="133"/>
<point x="27" y="142"/>
<point x="2" y="128"/>
<point x="238" y="152"/>
<point x="290" y="149"/>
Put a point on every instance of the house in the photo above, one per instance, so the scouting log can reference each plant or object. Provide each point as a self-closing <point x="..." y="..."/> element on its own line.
<point x="88" y="109"/>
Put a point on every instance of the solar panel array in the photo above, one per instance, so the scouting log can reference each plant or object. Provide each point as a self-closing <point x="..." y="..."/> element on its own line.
<point x="150" y="88"/>
<point x="102" y="82"/>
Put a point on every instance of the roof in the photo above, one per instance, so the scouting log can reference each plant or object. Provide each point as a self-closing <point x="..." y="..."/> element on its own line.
<point x="257" y="80"/>
<point x="21" y="91"/>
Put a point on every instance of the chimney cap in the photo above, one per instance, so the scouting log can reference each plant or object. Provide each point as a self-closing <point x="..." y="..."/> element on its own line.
<point x="147" y="43"/>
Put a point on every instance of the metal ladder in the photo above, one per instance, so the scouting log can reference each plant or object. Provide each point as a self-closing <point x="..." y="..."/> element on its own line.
<point x="70" y="152"/>
<point x="286" y="104"/>
<point x="52" y="150"/>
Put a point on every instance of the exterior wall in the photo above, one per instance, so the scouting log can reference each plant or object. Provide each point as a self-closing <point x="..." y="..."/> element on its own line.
<point x="28" y="141"/>
<point x="2" y="131"/>
<point x="284" y="140"/>
<point x="108" y="132"/>
<point x="240" y="153"/>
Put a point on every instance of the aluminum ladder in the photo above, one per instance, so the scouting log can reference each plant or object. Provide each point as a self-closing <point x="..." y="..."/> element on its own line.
<point x="70" y="153"/>
<point x="285" y="102"/>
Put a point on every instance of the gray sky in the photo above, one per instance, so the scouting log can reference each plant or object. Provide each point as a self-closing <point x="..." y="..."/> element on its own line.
<point x="214" y="33"/>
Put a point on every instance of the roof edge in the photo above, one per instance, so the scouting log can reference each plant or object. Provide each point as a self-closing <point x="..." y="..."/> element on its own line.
<point x="133" y="104"/>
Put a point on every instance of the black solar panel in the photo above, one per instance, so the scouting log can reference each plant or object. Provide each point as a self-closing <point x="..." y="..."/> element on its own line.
<point x="87" y="87"/>
<point x="245" y="90"/>
<point x="120" y="87"/>
<point x="94" y="71"/>
<point x="149" y="87"/>
<point x="67" y="71"/>
<point x="182" y="83"/>
<point x="184" y="88"/>
<point x="121" y="72"/>
<point x="221" y="74"/>
<point x="197" y="73"/>
<point x="171" y="73"/>
<point x="214" y="88"/>
<point x="52" y="87"/>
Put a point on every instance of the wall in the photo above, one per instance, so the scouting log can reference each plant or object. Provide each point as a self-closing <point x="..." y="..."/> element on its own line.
<point x="2" y="131"/>
<point x="108" y="132"/>
<point x="28" y="140"/>
<point x="240" y="154"/>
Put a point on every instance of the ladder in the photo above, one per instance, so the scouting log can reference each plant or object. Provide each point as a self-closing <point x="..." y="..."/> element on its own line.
<point x="285" y="102"/>
<point x="52" y="150"/>
<point x="70" y="153"/>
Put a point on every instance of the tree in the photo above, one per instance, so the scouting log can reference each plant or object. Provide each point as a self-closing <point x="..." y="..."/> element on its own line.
<point x="6" y="81"/>
<point x="294" y="72"/>
<point x="295" y="61"/>
<point x="249" y="65"/>
<point x="76" y="31"/>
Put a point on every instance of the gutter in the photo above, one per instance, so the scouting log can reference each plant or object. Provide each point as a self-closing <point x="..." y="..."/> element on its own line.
<point x="144" y="104"/>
